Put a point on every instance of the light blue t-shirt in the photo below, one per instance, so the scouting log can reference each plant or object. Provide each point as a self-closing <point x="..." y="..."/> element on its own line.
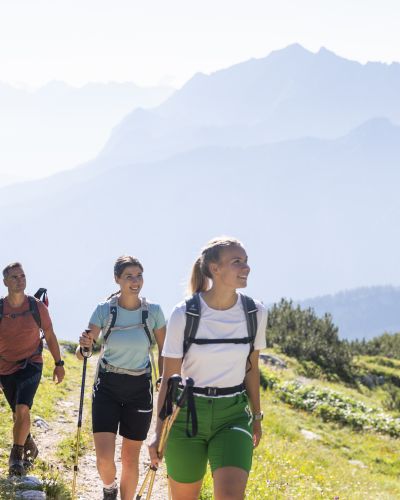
<point x="127" y="348"/>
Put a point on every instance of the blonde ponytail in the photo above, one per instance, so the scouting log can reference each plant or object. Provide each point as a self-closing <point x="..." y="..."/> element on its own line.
<point x="201" y="276"/>
<point x="198" y="281"/>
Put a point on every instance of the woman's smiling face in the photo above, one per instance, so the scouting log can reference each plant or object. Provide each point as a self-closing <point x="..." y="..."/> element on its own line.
<point x="131" y="280"/>
<point x="232" y="269"/>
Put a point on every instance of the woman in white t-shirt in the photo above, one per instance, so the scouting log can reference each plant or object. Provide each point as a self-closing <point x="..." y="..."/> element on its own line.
<point x="223" y="362"/>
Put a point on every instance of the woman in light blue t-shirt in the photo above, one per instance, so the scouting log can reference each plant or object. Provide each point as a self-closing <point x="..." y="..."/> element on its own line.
<point x="122" y="401"/>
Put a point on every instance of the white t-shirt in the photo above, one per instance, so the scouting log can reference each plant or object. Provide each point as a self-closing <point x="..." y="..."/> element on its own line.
<point x="214" y="365"/>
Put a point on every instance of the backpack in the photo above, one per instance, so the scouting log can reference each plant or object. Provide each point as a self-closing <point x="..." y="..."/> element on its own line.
<point x="113" y="318"/>
<point x="193" y="311"/>
<point x="113" y="304"/>
<point x="41" y="294"/>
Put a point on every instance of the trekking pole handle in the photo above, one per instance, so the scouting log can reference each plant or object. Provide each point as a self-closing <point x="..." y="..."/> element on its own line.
<point x="170" y="396"/>
<point x="184" y="394"/>
<point x="86" y="352"/>
<point x="174" y="380"/>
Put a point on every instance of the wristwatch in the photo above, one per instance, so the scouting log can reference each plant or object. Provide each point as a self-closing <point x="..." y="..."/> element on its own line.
<point x="60" y="363"/>
<point x="258" y="416"/>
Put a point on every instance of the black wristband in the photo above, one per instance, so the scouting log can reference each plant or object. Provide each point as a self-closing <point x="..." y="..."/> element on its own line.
<point x="59" y="363"/>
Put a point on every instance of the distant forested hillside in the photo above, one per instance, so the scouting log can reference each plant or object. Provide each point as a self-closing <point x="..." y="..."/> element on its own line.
<point x="361" y="313"/>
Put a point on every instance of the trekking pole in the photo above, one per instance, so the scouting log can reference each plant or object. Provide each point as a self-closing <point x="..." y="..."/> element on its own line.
<point x="168" y="415"/>
<point x="85" y="351"/>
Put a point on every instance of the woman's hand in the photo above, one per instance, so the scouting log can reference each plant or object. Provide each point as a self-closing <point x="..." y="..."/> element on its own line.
<point x="257" y="432"/>
<point x="155" y="459"/>
<point x="86" y="340"/>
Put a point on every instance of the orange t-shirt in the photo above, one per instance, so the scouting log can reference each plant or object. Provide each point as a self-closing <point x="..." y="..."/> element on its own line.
<point x="20" y="336"/>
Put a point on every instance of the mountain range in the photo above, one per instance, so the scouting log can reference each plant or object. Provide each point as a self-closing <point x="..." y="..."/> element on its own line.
<point x="364" y="312"/>
<point x="58" y="126"/>
<point x="296" y="154"/>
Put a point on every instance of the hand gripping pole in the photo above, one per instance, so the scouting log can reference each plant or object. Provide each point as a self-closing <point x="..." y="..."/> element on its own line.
<point x="168" y="414"/>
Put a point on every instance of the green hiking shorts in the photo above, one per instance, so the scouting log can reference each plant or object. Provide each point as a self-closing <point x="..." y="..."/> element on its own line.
<point x="224" y="438"/>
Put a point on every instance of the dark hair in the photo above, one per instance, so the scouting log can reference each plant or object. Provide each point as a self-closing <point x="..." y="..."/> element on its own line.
<point x="121" y="264"/>
<point x="8" y="268"/>
<point x="201" y="275"/>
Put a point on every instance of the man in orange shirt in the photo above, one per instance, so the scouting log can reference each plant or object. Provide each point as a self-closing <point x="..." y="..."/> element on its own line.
<point x="21" y="362"/>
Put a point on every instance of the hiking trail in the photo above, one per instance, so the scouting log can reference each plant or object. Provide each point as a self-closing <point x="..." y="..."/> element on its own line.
<point x="89" y="485"/>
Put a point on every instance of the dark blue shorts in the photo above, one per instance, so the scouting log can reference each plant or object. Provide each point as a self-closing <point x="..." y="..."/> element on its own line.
<point x="20" y="387"/>
<point x="124" y="402"/>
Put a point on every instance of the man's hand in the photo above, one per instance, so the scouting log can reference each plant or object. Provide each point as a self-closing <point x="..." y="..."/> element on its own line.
<point x="58" y="374"/>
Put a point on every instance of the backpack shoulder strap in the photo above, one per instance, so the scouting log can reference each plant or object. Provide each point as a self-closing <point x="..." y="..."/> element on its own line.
<point x="250" y="311"/>
<point x="112" y="318"/>
<point x="193" y="310"/>
<point x="34" y="310"/>
<point x="145" y="316"/>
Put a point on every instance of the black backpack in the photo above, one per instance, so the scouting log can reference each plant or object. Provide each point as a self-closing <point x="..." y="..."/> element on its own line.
<point x="113" y="318"/>
<point x="41" y="294"/>
<point x="193" y="311"/>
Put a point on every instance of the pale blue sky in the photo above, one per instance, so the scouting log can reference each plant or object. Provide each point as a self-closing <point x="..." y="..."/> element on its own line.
<point x="167" y="41"/>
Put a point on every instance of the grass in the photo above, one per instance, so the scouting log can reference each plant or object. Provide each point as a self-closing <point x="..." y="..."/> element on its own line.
<point x="286" y="465"/>
<point x="340" y="464"/>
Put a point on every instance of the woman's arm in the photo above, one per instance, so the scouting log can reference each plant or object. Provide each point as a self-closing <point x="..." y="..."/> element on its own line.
<point x="252" y="382"/>
<point x="159" y="335"/>
<point x="86" y="339"/>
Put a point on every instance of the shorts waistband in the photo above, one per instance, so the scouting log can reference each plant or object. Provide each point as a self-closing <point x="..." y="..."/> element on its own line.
<point x="219" y="391"/>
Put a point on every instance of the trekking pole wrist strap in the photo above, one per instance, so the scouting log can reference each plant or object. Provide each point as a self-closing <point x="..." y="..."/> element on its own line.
<point x="85" y="353"/>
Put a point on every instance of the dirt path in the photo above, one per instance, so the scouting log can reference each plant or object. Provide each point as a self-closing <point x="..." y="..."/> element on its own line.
<point x="89" y="486"/>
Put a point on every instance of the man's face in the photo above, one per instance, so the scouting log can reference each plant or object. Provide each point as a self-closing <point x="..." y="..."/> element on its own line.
<point x="15" y="280"/>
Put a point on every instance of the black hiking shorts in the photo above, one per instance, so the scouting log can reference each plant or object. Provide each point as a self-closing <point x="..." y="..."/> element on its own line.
<point x="20" y="387"/>
<point x="124" y="402"/>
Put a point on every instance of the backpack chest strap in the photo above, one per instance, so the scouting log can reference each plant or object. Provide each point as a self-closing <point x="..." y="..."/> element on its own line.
<point x="110" y="326"/>
<point x="193" y="312"/>
<point x="33" y="310"/>
<point x="243" y="340"/>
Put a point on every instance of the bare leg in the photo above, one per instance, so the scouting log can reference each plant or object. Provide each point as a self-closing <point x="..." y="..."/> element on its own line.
<point x="185" y="491"/>
<point x="105" y="451"/>
<point x="22" y="424"/>
<point x="130" y="467"/>
<point x="230" y="483"/>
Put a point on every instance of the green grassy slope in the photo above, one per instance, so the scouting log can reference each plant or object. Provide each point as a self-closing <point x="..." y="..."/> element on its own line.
<point x="340" y="463"/>
<point x="343" y="462"/>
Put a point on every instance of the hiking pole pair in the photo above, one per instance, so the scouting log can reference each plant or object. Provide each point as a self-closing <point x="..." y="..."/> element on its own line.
<point x="168" y="415"/>
<point x="86" y="354"/>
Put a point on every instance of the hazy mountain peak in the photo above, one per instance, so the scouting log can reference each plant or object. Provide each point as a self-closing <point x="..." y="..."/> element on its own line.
<point x="378" y="126"/>
<point x="323" y="51"/>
